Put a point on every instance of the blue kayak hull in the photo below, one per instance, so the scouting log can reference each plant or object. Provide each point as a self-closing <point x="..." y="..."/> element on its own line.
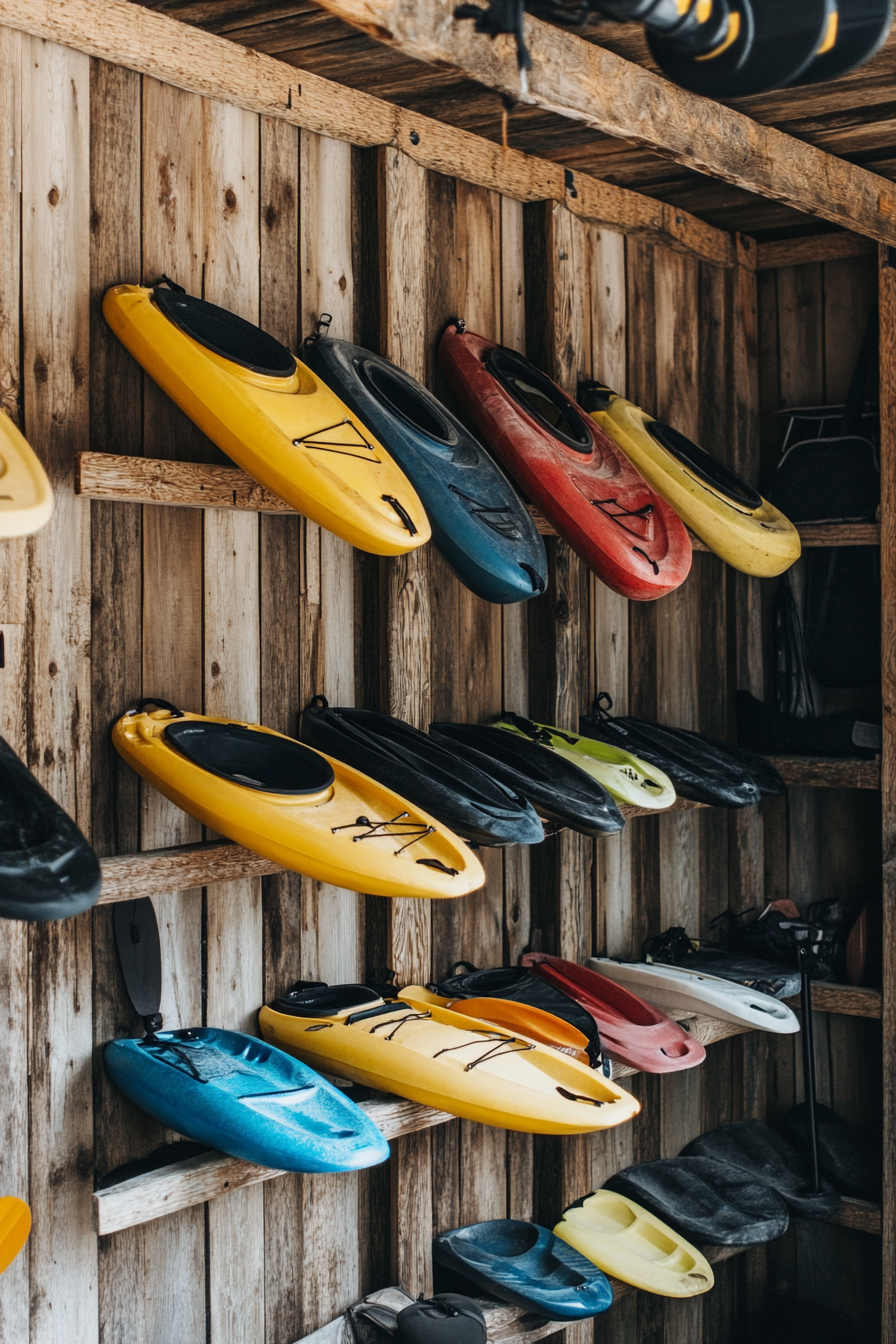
<point x="479" y="522"/>
<point x="245" y="1098"/>
<point x="526" y="1264"/>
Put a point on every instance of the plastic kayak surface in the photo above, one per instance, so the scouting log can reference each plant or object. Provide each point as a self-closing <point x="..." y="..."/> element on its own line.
<point x="761" y="1153"/>
<point x="732" y="518"/>
<point x="589" y="490"/>
<point x="689" y="991"/>
<point x="516" y="985"/>
<point x="674" y="948"/>
<point x="631" y="1244"/>
<point x="624" y="776"/>
<point x="440" y="1058"/>
<point x="521" y="1019"/>
<point x="245" y="1098"/>
<point x="47" y="868"/>
<point x="15" y="1227"/>
<point x="295" y="806"/>
<point x="474" y="804"/>
<point x="711" y="1201"/>
<point x="26" y="496"/>
<point x="559" y="792"/>
<point x="850" y="1158"/>
<point x="478" y="520"/>
<point x="270" y="413"/>
<point x="631" y="1030"/>
<point x="527" y="1265"/>
<point x="698" y="769"/>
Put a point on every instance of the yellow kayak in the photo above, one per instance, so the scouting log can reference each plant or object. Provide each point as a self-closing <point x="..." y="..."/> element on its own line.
<point x="522" y="1019"/>
<point x="26" y="496"/>
<point x="272" y="415"/>
<point x="731" y="517"/>
<point x="629" y="1243"/>
<point x="15" y="1227"/>
<point x="440" y="1058"/>
<point x="295" y="806"/>
<point x="626" y="778"/>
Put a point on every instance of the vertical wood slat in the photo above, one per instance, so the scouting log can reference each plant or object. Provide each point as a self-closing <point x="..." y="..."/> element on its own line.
<point x="887" y="281"/>
<point x="402" y="221"/>
<point x="331" y="925"/>
<point x="14" y="1300"/>
<point x="170" y="1259"/>
<point x="55" y="286"/>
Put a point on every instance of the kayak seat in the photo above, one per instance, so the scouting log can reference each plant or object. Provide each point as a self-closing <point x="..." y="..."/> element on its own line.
<point x="407" y="399"/>
<point x="509" y="1239"/>
<point x="531" y="389"/>
<point x="226" y="334"/>
<point x="708" y="468"/>
<point x="325" y="1000"/>
<point x="255" y="759"/>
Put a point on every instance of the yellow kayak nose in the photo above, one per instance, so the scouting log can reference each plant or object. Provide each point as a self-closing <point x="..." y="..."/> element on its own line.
<point x="15" y="1228"/>
<point x="272" y="415"/>
<point x="26" y="496"/>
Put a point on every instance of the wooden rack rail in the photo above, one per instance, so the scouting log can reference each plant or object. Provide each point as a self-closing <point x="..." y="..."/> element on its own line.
<point x="180" y="1185"/>
<point x="198" y="485"/>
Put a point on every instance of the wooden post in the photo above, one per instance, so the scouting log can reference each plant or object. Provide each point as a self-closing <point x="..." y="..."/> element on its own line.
<point x="888" y="770"/>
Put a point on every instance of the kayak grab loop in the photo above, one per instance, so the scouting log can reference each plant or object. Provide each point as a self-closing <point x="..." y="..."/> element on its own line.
<point x="439" y="866"/>
<point x="159" y="704"/>
<point x="402" y="513"/>
<point x="577" y="1096"/>
<point x="172" y="284"/>
<point x="321" y="326"/>
<point x="535" y="578"/>
<point x="637" y="550"/>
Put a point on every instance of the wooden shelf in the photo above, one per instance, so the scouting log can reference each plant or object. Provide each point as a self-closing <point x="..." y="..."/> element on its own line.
<point x="198" y="485"/>
<point x="153" y="872"/>
<point x="507" y="1324"/>
<point x="827" y="772"/>
<point x="210" y="1175"/>
<point x="846" y="1000"/>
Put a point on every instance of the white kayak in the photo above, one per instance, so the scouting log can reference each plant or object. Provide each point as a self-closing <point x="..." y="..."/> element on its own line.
<point x="679" y="990"/>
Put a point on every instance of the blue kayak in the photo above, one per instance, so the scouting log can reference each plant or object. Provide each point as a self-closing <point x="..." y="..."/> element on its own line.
<point x="526" y="1264"/>
<point x="478" y="520"/>
<point x="246" y="1098"/>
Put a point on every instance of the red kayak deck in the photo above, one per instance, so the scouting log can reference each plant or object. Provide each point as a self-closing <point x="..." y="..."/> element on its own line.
<point x="631" y="1030"/>
<point x="583" y="484"/>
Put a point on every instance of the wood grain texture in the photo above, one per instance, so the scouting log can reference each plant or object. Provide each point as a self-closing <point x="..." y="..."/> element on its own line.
<point x="818" y="247"/>
<point x="605" y="92"/>
<point x="55" y="288"/>
<point x="201" y="63"/>
<point x="827" y="772"/>
<point x="887" y="300"/>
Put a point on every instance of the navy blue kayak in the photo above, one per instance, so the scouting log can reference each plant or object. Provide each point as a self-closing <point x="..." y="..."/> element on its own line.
<point x="478" y="520"/>
<point x="246" y="1098"/>
<point x="526" y="1264"/>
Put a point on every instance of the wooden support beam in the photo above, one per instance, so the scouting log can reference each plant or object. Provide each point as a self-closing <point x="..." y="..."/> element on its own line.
<point x="210" y="1175"/>
<point x="202" y="485"/>
<point x="573" y="78"/>
<point x="827" y="772"/>
<point x="200" y="62"/>
<point x="846" y="1000"/>
<point x="817" y="247"/>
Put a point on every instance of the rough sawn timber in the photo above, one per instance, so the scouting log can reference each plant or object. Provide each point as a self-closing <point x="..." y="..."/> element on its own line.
<point x="586" y="83"/>
<point x="199" y="62"/>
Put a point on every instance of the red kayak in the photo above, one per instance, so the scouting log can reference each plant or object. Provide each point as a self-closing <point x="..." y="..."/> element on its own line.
<point x="583" y="484"/>
<point x="632" y="1031"/>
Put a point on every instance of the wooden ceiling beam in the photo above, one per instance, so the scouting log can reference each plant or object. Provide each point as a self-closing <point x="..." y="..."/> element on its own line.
<point x="200" y="62"/>
<point x="586" y="83"/>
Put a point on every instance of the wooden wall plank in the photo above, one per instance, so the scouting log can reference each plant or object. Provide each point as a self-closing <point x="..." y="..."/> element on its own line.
<point x="14" y="975"/>
<point x="55" y="287"/>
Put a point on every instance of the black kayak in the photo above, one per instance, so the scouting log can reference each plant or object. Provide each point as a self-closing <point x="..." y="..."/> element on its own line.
<point x="674" y="948"/>
<point x="762" y="1155"/>
<point x="700" y="769"/>
<point x="708" y="1201"/>
<point x="850" y="1158"/>
<point x="519" y="985"/>
<point x="478" y="520"/>
<point x="559" y="791"/>
<point x="470" y="802"/>
<point x="47" y="868"/>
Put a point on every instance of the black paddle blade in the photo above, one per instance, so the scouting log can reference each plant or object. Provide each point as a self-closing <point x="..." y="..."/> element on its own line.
<point x="140" y="956"/>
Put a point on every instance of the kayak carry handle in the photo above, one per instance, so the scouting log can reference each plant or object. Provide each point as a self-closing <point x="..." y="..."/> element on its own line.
<point x="160" y="704"/>
<point x="402" y="512"/>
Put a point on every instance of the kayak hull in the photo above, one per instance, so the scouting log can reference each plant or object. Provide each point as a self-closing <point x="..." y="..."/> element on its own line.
<point x="623" y="530"/>
<point x="479" y="523"/>
<point x="15" y="1228"/>
<point x="689" y="992"/>
<point x="26" y="496"/>
<point x="294" y="436"/>
<point x="313" y="835"/>
<point x="249" y="1100"/>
